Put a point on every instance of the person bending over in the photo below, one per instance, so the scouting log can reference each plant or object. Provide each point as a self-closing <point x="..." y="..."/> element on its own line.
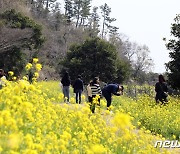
<point x="111" y="89"/>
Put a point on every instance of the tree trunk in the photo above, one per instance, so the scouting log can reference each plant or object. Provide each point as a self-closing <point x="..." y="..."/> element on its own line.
<point x="103" y="28"/>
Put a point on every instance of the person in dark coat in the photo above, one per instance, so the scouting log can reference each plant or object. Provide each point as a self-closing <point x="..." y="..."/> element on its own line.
<point x="78" y="89"/>
<point x="111" y="89"/>
<point x="161" y="90"/>
<point x="66" y="84"/>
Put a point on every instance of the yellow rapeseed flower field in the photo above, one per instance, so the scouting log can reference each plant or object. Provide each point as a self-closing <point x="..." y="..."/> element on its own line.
<point x="34" y="119"/>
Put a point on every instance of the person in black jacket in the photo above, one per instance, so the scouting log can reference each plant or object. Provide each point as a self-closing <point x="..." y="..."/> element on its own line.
<point x="161" y="90"/>
<point x="110" y="89"/>
<point x="66" y="84"/>
<point x="78" y="89"/>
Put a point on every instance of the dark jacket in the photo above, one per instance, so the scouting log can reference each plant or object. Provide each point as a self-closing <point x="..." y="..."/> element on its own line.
<point x="78" y="85"/>
<point x="65" y="81"/>
<point x="160" y="88"/>
<point x="111" y="89"/>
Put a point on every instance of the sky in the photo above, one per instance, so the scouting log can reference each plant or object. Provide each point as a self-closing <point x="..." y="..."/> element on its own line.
<point x="145" y="22"/>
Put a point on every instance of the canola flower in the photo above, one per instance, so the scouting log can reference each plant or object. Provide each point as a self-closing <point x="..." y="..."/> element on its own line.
<point x="31" y="123"/>
<point x="11" y="73"/>
<point x="33" y="70"/>
<point x="38" y="67"/>
<point x="157" y="118"/>
<point x="28" y="66"/>
<point x="35" y="60"/>
<point x="32" y="120"/>
<point x="122" y="120"/>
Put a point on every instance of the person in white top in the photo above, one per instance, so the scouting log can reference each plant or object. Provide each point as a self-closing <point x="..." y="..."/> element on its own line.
<point x="89" y="92"/>
<point x="2" y="78"/>
<point x="95" y="91"/>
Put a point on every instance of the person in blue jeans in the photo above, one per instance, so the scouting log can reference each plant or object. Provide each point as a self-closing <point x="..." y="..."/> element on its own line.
<point x="110" y="89"/>
<point x="66" y="82"/>
<point x="78" y="89"/>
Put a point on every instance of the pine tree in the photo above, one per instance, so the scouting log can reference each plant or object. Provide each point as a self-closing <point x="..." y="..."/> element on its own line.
<point x="94" y="23"/>
<point x="107" y="20"/>
<point x="85" y="12"/>
<point x="77" y="10"/>
<point x="68" y="10"/>
<point x="173" y="45"/>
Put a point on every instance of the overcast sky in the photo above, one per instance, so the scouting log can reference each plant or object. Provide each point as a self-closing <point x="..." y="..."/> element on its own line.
<point x="145" y="22"/>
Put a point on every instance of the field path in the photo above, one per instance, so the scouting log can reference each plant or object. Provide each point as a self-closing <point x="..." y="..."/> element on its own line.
<point x="108" y="118"/>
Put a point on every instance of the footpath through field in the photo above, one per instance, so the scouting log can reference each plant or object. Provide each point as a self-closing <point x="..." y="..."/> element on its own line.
<point x="108" y="117"/>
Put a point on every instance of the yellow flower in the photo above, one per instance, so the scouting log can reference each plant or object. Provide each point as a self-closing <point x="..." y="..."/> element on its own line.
<point x="13" y="141"/>
<point x="1" y="121"/>
<point x="1" y="149"/>
<point x="34" y="79"/>
<point x="139" y="123"/>
<point x="98" y="149"/>
<point x="14" y="78"/>
<point x="36" y="74"/>
<point x="103" y="103"/>
<point x="174" y="137"/>
<point x="11" y="73"/>
<point x="60" y="96"/>
<point x="72" y="100"/>
<point x="76" y="151"/>
<point x="62" y="147"/>
<point x="74" y="142"/>
<point x="83" y="97"/>
<point x="38" y="67"/>
<point x="35" y="60"/>
<point x="122" y="120"/>
<point x="25" y="78"/>
<point x="28" y="66"/>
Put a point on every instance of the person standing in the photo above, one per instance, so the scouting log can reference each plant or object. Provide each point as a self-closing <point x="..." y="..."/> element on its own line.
<point x="89" y="91"/>
<point x="2" y="78"/>
<point x="110" y="89"/>
<point x="95" y="92"/>
<point x="66" y="84"/>
<point x="161" y="90"/>
<point x="78" y="89"/>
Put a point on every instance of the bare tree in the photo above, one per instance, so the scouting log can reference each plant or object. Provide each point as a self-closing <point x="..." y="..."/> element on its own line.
<point x="13" y="37"/>
<point x="142" y="60"/>
<point x="129" y="49"/>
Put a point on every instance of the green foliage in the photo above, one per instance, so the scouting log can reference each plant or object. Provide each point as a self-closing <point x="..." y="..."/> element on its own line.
<point x="174" y="46"/>
<point x="13" y="60"/>
<point x="17" y="20"/>
<point x="107" y="20"/>
<point x="94" y="23"/>
<point x="12" y="56"/>
<point x="123" y="71"/>
<point x="68" y="10"/>
<point x="1" y="24"/>
<point x="95" y="57"/>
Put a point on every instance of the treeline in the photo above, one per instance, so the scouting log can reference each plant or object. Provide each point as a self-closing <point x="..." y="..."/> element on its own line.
<point x="48" y="29"/>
